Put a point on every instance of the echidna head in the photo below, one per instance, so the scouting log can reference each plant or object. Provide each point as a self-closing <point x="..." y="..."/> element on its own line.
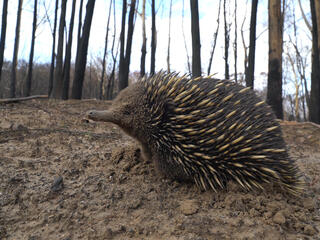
<point x="127" y="111"/>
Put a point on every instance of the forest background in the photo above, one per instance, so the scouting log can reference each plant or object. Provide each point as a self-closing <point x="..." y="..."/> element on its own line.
<point x="226" y="31"/>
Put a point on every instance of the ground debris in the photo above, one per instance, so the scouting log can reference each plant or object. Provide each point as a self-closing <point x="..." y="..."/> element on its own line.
<point x="72" y="179"/>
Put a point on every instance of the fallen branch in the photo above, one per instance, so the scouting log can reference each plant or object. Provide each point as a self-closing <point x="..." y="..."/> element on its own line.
<point x="14" y="100"/>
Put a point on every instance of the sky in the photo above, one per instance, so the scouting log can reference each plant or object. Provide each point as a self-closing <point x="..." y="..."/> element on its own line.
<point x="208" y="11"/>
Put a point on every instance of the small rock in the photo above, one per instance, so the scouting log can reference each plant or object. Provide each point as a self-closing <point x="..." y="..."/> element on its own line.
<point x="308" y="203"/>
<point x="5" y="124"/>
<point x="19" y="127"/>
<point x="135" y="204"/>
<point x="189" y="207"/>
<point x="309" y="230"/>
<point x="279" y="218"/>
<point x="267" y="215"/>
<point x="57" y="184"/>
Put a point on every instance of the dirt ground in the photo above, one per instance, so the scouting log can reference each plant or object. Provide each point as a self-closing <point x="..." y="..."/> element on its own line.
<point x="65" y="178"/>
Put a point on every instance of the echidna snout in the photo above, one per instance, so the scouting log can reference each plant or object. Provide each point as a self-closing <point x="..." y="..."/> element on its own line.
<point x="206" y="130"/>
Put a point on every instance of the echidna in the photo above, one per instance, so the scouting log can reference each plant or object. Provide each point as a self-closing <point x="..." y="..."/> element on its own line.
<point x="206" y="130"/>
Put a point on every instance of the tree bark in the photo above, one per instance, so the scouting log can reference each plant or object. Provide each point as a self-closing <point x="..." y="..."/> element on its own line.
<point x="144" y="41"/>
<point x="53" y="53"/>
<point x="110" y="84"/>
<point x="82" y="52"/>
<point x="153" y="39"/>
<point x="314" y="111"/>
<point x="67" y="61"/>
<point x="3" y="32"/>
<point x="15" y="52"/>
<point x="252" y="47"/>
<point x="124" y="66"/>
<point x="129" y="36"/>
<point x="122" y="50"/>
<point x="274" y="92"/>
<point x="226" y="42"/>
<point x="101" y="92"/>
<point x="80" y="21"/>
<point x="58" y="75"/>
<point x="195" y="33"/>
<point x="30" y="66"/>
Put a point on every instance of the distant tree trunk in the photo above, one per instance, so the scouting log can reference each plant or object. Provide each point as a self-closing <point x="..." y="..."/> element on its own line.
<point x="129" y="35"/>
<point x="144" y="41"/>
<point x="15" y="52"/>
<point x="79" y="27"/>
<point x="215" y="36"/>
<point x="226" y="41"/>
<point x="122" y="50"/>
<point x="110" y="84"/>
<point x="314" y="111"/>
<point x="3" y="32"/>
<point x="125" y="58"/>
<point x="80" y="67"/>
<point x="274" y="94"/>
<point x="30" y="66"/>
<point x="53" y="53"/>
<point x="101" y="92"/>
<point x="80" y="21"/>
<point x="252" y="47"/>
<point x="245" y="48"/>
<point x="196" y="45"/>
<point x="235" y="44"/>
<point x="304" y="17"/>
<point x="153" y="39"/>
<point x="169" y="39"/>
<point x="184" y="38"/>
<point x="58" y="75"/>
<point x="67" y="61"/>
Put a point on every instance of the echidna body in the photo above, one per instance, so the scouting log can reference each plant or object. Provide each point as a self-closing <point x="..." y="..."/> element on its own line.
<point x="206" y="130"/>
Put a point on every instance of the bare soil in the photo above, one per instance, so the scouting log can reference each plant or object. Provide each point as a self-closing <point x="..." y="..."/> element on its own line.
<point x="65" y="178"/>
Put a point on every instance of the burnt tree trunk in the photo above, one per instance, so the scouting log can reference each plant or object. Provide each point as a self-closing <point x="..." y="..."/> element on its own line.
<point x="79" y="27"/>
<point x="53" y="53"/>
<point x="252" y="45"/>
<point x="274" y="90"/>
<point x="126" y="54"/>
<point x="58" y="74"/>
<point x="15" y="52"/>
<point x="129" y="36"/>
<point x="195" y="33"/>
<point x="122" y="41"/>
<point x="153" y="39"/>
<point x="226" y="42"/>
<point x="101" y="91"/>
<point x="110" y="84"/>
<point x="144" y="41"/>
<point x="3" y="32"/>
<point x="67" y="61"/>
<point x="81" y="58"/>
<point x="30" y="66"/>
<point x="314" y="111"/>
<point x="80" y="21"/>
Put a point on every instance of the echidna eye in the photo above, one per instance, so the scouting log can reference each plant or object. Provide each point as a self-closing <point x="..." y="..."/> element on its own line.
<point x="126" y="111"/>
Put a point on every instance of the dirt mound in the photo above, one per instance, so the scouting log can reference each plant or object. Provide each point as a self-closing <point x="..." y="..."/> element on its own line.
<point x="64" y="178"/>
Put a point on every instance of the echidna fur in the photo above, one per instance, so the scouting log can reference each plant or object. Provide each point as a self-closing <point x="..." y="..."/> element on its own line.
<point x="205" y="130"/>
